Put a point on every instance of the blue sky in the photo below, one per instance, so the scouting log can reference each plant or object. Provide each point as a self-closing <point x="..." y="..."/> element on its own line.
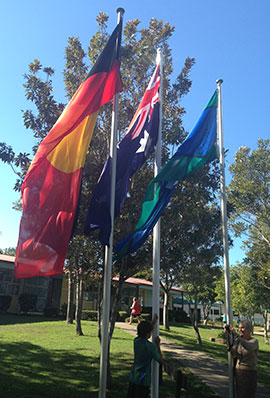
<point x="229" y="40"/>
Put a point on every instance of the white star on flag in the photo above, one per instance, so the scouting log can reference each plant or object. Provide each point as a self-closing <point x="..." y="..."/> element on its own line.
<point x="143" y="142"/>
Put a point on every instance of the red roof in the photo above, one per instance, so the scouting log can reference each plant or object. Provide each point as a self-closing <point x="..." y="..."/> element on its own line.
<point x="143" y="282"/>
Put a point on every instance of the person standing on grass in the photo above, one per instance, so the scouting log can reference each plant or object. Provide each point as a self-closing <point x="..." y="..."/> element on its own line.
<point x="144" y="352"/>
<point x="245" y="350"/>
<point x="135" y="310"/>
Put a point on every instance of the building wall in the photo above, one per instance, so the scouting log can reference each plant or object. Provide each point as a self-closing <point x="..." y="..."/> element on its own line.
<point x="47" y="289"/>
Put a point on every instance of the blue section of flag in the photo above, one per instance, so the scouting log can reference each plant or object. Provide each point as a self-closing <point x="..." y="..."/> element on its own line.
<point x="137" y="145"/>
<point x="198" y="149"/>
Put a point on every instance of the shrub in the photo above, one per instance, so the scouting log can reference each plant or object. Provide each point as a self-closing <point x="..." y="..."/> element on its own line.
<point x="89" y="315"/>
<point x="219" y="321"/>
<point x="5" y="301"/>
<point x="146" y="317"/>
<point x="27" y="302"/>
<point x="222" y="335"/>
<point x="122" y="316"/>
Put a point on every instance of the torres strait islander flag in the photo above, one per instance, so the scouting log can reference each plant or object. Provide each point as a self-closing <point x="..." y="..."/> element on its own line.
<point x="136" y="146"/>
<point x="51" y="186"/>
<point x="199" y="148"/>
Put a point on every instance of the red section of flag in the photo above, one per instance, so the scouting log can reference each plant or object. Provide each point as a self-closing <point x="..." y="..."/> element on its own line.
<point x="51" y="187"/>
<point x="43" y="252"/>
<point x="94" y="92"/>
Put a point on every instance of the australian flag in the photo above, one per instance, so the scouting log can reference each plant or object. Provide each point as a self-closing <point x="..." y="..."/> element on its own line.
<point x="137" y="145"/>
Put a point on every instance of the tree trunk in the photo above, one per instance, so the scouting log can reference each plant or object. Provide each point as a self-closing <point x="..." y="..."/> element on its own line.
<point x="265" y="327"/>
<point x="194" y="321"/>
<point x="79" y="294"/>
<point x="166" y="310"/>
<point x="206" y="310"/>
<point x="70" y="312"/>
<point x="114" y="313"/>
<point x="116" y="302"/>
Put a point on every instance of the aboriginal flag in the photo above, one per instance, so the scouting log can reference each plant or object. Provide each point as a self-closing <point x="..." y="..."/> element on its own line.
<point x="51" y="186"/>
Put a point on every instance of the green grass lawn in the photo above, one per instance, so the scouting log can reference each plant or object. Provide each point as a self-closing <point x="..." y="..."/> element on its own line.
<point x="185" y="337"/>
<point x="42" y="358"/>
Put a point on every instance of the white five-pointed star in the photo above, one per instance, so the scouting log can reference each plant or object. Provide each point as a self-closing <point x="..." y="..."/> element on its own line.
<point x="143" y="142"/>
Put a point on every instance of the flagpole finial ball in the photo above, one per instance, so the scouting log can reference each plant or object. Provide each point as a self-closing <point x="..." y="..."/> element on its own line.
<point x="219" y="81"/>
<point x="121" y="10"/>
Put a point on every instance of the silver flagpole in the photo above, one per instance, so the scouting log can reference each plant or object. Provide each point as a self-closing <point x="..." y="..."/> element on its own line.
<point x="156" y="245"/>
<point x="224" y="227"/>
<point x="108" y="251"/>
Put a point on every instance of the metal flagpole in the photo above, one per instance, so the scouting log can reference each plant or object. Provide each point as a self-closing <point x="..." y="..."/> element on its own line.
<point x="224" y="227"/>
<point x="108" y="251"/>
<point x="156" y="245"/>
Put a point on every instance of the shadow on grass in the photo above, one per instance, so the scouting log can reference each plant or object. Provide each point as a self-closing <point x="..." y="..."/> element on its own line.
<point x="14" y="319"/>
<point x="217" y="351"/>
<point x="263" y="368"/>
<point x="30" y="371"/>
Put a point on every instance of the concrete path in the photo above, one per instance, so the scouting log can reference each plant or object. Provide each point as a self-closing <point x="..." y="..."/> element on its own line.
<point x="209" y="370"/>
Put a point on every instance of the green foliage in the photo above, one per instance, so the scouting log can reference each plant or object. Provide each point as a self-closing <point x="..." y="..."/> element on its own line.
<point x="89" y="315"/>
<point x="250" y="201"/>
<point x="40" y="92"/>
<point x="83" y="255"/>
<point x="21" y="161"/>
<point x="27" y="302"/>
<point x="9" y="251"/>
<point x="249" y="194"/>
<point x="122" y="316"/>
<point x="221" y="335"/>
<point x="75" y="71"/>
<point x="180" y="316"/>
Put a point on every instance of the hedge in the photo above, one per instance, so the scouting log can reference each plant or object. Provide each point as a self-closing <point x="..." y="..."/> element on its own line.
<point x="89" y="315"/>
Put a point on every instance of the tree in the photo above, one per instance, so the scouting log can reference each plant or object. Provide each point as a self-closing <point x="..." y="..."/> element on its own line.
<point x="83" y="262"/>
<point x="9" y="251"/>
<point x="249" y="192"/>
<point x="207" y="295"/>
<point x="249" y="196"/>
<point x="137" y="64"/>
<point x="192" y="229"/>
<point x="258" y="259"/>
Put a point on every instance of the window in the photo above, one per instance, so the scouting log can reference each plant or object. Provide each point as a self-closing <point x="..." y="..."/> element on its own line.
<point x="39" y="287"/>
<point x="8" y="284"/>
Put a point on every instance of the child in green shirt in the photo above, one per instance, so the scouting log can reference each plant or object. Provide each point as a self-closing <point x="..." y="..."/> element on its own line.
<point x="144" y="352"/>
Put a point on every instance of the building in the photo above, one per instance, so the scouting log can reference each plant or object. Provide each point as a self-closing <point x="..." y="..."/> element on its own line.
<point x="47" y="288"/>
<point x="52" y="291"/>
